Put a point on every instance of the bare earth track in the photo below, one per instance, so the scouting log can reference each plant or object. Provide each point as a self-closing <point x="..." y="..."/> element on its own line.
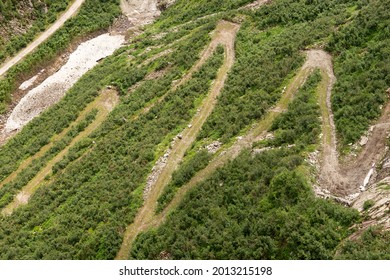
<point x="224" y="35"/>
<point x="333" y="177"/>
<point x="50" y="31"/>
<point x="105" y="103"/>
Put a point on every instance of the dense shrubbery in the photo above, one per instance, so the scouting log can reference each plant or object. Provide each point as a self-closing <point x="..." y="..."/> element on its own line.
<point x="183" y="11"/>
<point x="373" y="244"/>
<point x="253" y="208"/>
<point x="34" y="19"/>
<point x="91" y="203"/>
<point x="94" y="15"/>
<point x="362" y="59"/>
<point x="181" y="176"/>
<point x="257" y="206"/>
<point x="300" y="125"/>
<point x="8" y="191"/>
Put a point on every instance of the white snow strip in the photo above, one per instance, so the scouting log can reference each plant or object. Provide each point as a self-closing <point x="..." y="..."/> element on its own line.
<point x="367" y="179"/>
<point x="50" y="91"/>
<point x="28" y="83"/>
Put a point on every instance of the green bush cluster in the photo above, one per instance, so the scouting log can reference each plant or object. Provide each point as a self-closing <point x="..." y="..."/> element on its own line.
<point x="83" y="212"/>
<point x="373" y="244"/>
<point x="8" y="191"/>
<point x="300" y="125"/>
<point x="362" y="58"/>
<point x="94" y="15"/>
<point x="34" y="19"/>
<point x="253" y="208"/>
<point x="181" y="176"/>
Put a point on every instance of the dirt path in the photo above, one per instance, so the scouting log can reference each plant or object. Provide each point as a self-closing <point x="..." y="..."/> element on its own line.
<point x="50" y="31"/>
<point x="316" y="59"/>
<point x="224" y="34"/>
<point x="146" y="217"/>
<point x="345" y="179"/>
<point x="105" y="103"/>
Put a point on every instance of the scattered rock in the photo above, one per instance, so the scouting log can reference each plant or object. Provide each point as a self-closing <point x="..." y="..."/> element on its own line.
<point x="156" y="171"/>
<point x="363" y="141"/>
<point x="213" y="147"/>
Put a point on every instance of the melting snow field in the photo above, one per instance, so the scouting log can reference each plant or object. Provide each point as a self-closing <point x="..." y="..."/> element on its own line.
<point x="50" y="91"/>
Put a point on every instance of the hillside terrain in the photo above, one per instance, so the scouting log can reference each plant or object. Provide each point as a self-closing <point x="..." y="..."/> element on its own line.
<point x="21" y="21"/>
<point x="196" y="130"/>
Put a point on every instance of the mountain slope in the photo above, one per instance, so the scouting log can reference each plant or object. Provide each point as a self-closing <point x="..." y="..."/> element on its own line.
<point x="191" y="176"/>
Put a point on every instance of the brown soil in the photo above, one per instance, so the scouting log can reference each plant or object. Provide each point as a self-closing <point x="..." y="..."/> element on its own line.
<point x="105" y="103"/>
<point x="256" y="4"/>
<point x="224" y="35"/>
<point x="72" y="10"/>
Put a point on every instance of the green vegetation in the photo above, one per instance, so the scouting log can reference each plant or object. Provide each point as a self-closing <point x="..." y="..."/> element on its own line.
<point x="9" y="190"/>
<point x="268" y="51"/>
<point x="181" y="176"/>
<point x="94" y="15"/>
<point x="29" y="20"/>
<point x="253" y="208"/>
<point x="362" y="59"/>
<point x="97" y="195"/>
<point x="300" y="125"/>
<point x="368" y="204"/>
<point x="257" y="206"/>
<point x="372" y="245"/>
<point x="184" y="11"/>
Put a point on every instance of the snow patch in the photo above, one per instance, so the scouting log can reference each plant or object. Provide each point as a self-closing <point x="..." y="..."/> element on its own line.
<point x="50" y="91"/>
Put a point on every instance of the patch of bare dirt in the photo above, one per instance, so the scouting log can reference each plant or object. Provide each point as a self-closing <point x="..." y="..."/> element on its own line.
<point x="256" y="4"/>
<point x="137" y="14"/>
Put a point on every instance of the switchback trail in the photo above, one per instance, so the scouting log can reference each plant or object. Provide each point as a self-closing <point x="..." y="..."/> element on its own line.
<point x="72" y="10"/>
<point x="105" y="103"/>
<point x="332" y="177"/>
<point x="224" y="35"/>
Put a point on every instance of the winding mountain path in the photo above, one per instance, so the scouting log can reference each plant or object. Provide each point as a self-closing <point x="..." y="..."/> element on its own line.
<point x="224" y="35"/>
<point x="71" y="11"/>
<point x="333" y="176"/>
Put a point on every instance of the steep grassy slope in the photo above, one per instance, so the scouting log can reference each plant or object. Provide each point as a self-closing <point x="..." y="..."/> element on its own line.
<point x="259" y="205"/>
<point x="20" y="21"/>
<point x="94" y="15"/>
<point x="362" y="58"/>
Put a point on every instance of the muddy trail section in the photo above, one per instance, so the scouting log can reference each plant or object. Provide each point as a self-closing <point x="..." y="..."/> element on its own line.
<point x="72" y="10"/>
<point x="224" y="35"/>
<point x="104" y="103"/>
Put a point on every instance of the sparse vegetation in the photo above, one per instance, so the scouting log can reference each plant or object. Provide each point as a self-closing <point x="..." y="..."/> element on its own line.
<point x="368" y="204"/>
